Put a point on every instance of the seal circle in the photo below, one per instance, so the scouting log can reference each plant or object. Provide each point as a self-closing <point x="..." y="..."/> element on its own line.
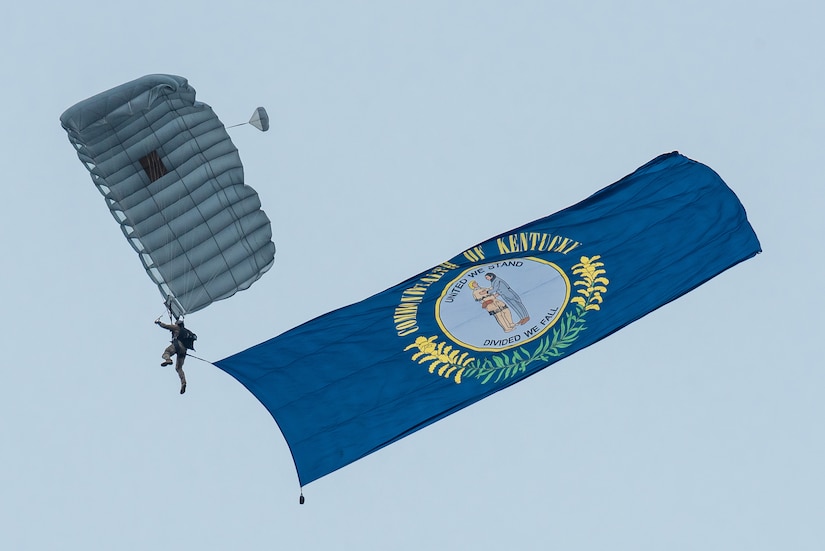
<point x="502" y="305"/>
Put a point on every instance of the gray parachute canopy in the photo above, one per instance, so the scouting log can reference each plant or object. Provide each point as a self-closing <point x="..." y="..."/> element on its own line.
<point x="173" y="180"/>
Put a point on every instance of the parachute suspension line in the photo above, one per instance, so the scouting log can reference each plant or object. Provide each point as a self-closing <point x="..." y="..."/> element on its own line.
<point x="182" y="192"/>
<point x="192" y="280"/>
<point x="172" y="316"/>
<point x="154" y="168"/>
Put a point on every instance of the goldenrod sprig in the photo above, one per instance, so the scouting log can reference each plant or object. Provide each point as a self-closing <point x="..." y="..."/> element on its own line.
<point x="442" y="357"/>
<point x="592" y="273"/>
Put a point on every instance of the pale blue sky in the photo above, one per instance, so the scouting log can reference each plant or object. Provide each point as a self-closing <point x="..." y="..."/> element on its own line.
<point x="698" y="427"/>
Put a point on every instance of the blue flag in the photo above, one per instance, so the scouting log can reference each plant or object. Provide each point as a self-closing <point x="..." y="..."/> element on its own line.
<point x="354" y="380"/>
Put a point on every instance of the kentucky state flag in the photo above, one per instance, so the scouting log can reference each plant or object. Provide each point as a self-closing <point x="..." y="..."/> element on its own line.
<point x="359" y="378"/>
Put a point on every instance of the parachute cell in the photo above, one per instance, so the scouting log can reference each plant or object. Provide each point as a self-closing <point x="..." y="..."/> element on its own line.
<point x="173" y="180"/>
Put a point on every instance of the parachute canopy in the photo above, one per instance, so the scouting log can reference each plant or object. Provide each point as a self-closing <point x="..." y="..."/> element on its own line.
<point x="173" y="180"/>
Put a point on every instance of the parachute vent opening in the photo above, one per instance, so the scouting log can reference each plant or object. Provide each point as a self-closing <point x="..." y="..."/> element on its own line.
<point x="153" y="166"/>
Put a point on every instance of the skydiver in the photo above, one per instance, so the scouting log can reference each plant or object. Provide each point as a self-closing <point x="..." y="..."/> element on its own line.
<point x="182" y="339"/>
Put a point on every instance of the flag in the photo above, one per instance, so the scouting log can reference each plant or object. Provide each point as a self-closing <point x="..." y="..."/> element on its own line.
<point x="356" y="379"/>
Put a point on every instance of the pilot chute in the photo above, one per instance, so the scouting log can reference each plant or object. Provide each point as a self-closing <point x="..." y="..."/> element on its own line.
<point x="260" y="119"/>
